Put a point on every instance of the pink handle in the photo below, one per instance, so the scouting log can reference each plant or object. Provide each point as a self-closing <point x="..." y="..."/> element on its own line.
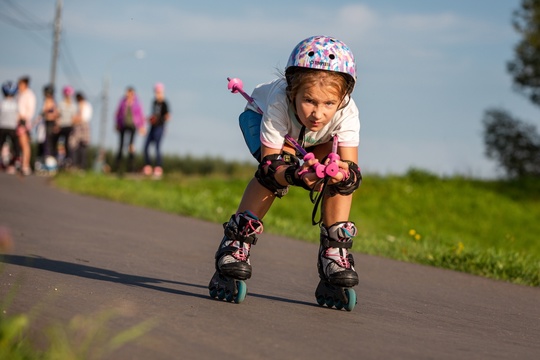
<point x="318" y="167"/>
<point x="332" y="168"/>
<point x="236" y="86"/>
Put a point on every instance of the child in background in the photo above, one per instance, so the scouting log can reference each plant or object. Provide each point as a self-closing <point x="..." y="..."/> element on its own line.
<point x="129" y="119"/>
<point x="311" y="103"/>
<point x="26" y="100"/>
<point x="80" y="139"/>
<point x="49" y="114"/>
<point x="9" y="121"/>
<point x="67" y="109"/>
<point x="159" y="116"/>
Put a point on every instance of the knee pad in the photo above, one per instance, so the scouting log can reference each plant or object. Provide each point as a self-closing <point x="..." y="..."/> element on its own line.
<point x="267" y="171"/>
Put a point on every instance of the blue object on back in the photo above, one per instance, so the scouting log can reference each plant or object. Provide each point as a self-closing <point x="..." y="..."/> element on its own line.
<point x="250" y="124"/>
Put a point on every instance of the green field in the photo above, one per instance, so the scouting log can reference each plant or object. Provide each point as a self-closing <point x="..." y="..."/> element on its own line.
<point x="487" y="228"/>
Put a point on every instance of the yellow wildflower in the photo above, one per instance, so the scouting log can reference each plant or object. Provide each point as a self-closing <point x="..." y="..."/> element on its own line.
<point x="459" y="248"/>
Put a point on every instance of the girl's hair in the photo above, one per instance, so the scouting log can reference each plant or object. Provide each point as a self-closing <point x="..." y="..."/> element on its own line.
<point x="297" y="77"/>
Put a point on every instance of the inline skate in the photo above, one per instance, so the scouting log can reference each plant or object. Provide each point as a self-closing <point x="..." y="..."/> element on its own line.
<point x="336" y="267"/>
<point x="232" y="257"/>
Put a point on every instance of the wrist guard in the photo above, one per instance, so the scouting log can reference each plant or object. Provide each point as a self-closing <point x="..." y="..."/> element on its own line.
<point x="349" y="184"/>
<point x="292" y="177"/>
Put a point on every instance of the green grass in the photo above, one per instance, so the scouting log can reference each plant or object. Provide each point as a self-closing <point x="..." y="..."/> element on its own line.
<point x="487" y="228"/>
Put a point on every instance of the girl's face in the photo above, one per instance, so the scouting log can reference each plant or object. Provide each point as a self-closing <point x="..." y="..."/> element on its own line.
<point x="316" y="105"/>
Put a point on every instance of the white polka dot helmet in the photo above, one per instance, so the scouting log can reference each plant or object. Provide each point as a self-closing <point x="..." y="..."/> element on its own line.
<point x="323" y="53"/>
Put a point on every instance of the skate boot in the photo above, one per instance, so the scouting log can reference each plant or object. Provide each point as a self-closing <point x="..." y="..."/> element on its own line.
<point x="232" y="257"/>
<point x="336" y="267"/>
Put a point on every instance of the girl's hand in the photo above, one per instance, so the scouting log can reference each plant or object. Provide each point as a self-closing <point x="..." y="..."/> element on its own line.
<point x="342" y="174"/>
<point x="308" y="175"/>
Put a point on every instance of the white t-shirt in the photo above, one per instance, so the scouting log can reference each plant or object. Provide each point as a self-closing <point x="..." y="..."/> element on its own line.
<point x="279" y="119"/>
<point x="85" y="110"/>
<point x="27" y="106"/>
<point x="67" y="110"/>
<point x="9" y="114"/>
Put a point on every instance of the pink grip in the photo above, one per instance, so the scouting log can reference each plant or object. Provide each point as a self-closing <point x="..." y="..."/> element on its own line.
<point x="332" y="168"/>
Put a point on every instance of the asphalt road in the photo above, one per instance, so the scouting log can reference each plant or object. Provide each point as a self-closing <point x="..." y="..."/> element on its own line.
<point x="77" y="255"/>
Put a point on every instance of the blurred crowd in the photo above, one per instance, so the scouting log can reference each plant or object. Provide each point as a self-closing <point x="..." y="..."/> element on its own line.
<point x="60" y="131"/>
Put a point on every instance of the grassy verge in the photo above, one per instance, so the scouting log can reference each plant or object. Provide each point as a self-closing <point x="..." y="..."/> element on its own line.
<point x="487" y="228"/>
<point x="83" y="337"/>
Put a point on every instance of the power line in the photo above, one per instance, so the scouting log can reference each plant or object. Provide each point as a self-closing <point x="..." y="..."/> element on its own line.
<point x="22" y="25"/>
<point x="70" y="67"/>
<point x="28" y="22"/>
<point x="15" y="15"/>
<point x="21" y="19"/>
<point x="25" y="13"/>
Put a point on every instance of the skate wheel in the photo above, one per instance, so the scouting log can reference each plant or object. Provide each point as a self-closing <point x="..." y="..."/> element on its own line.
<point x="221" y="294"/>
<point x="338" y="305"/>
<point x="213" y="293"/>
<point x="351" y="296"/>
<point x="242" y="291"/>
<point x="320" y="300"/>
<point x="229" y="296"/>
<point x="329" y="302"/>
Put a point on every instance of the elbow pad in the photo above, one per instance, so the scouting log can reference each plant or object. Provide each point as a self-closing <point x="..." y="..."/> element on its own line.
<point x="266" y="173"/>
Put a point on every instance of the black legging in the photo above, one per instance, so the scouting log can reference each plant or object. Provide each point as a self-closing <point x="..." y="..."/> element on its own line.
<point x="129" y="131"/>
<point x="14" y="139"/>
<point x="49" y="138"/>
<point x="64" y="132"/>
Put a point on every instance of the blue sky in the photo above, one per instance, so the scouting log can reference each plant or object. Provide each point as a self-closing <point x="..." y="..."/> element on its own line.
<point x="428" y="69"/>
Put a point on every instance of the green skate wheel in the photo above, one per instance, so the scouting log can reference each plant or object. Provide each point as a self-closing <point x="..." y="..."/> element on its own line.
<point x="351" y="296"/>
<point x="329" y="302"/>
<point x="229" y="296"/>
<point x="242" y="291"/>
<point x="221" y="294"/>
<point x="320" y="300"/>
<point x="338" y="305"/>
<point x="213" y="293"/>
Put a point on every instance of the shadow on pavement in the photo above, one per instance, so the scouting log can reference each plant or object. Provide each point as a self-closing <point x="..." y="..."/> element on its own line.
<point x="95" y="273"/>
<point x="91" y="272"/>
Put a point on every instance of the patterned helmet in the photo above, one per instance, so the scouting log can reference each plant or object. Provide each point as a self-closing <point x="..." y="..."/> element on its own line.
<point x="324" y="53"/>
<point x="9" y="88"/>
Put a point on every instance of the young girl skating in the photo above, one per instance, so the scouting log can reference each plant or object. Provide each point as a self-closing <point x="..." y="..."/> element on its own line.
<point x="311" y="103"/>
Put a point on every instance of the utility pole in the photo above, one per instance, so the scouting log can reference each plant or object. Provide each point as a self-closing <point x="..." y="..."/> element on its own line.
<point x="56" y="40"/>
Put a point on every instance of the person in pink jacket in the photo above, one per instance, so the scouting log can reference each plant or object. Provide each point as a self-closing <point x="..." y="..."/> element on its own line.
<point x="129" y="119"/>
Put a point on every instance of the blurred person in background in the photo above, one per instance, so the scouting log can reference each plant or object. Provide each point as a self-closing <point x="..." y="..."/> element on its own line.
<point x="129" y="119"/>
<point x="80" y="137"/>
<point x="26" y="101"/>
<point x="67" y="109"/>
<point x="159" y="116"/>
<point x="9" y="120"/>
<point x="49" y="113"/>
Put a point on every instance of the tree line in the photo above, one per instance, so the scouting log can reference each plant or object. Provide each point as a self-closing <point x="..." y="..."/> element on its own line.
<point x="510" y="141"/>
